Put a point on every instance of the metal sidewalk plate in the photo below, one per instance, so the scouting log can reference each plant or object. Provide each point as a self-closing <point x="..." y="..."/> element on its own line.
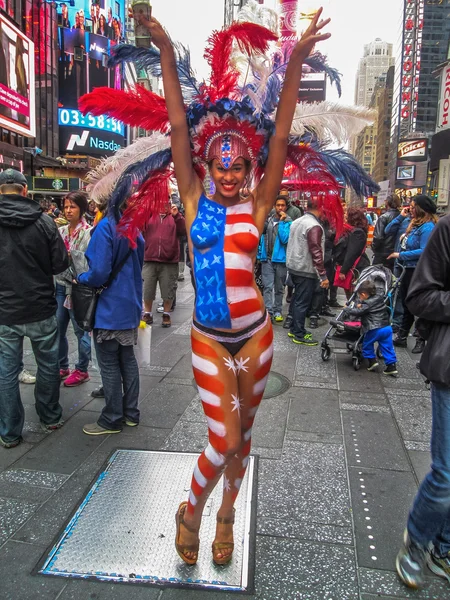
<point x="124" y="529"/>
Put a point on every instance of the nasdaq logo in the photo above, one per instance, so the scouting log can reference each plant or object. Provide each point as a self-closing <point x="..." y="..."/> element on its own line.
<point x="77" y="140"/>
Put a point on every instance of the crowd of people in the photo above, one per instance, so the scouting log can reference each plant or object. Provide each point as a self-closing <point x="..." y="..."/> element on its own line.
<point x="232" y="333"/>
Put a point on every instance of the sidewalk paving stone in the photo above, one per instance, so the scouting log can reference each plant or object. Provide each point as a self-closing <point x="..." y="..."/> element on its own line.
<point x="380" y="503"/>
<point x="17" y="561"/>
<point x="308" y="483"/>
<point x="315" y="411"/>
<point x="372" y="440"/>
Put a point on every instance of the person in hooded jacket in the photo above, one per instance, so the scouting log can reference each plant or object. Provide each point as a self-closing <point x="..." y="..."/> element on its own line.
<point x="427" y="537"/>
<point x="31" y="253"/>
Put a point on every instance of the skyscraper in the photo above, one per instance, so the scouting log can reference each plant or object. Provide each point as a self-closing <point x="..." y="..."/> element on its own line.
<point x="425" y="36"/>
<point x="371" y="76"/>
<point x="376" y="60"/>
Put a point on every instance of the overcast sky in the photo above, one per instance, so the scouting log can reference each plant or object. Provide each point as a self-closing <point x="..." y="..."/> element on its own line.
<point x="354" y="23"/>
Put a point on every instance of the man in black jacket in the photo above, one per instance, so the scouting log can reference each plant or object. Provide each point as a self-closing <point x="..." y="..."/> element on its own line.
<point x="383" y="245"/>
<point x="427" y="538"/>
<point x="31" y="252"/>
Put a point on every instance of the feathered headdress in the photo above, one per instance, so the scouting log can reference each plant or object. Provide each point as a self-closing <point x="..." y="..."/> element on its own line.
<point x="231" y="115"/>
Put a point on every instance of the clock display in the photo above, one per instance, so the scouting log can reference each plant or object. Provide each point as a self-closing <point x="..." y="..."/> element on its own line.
<point x="71" y="117"/>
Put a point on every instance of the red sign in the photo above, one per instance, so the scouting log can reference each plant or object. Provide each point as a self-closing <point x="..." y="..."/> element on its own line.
<point x="412" y="45"/>
<point x="443" y="121"/>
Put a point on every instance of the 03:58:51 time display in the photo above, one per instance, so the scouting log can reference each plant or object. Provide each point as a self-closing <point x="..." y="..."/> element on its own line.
<point x="72" y="117"/>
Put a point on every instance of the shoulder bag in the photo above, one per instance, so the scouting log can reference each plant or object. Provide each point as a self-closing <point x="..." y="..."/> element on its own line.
<point x="85" y="298"/>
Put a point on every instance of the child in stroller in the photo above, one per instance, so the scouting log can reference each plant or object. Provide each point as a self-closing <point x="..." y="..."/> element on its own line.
<point x="347" y="327"/>
<point x="375" y="325"/>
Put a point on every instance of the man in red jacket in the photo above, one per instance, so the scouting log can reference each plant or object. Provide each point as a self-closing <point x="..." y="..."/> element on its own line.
<point x="161" y="256"/>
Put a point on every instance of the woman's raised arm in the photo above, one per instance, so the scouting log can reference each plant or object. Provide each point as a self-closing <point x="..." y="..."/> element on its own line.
<point x="189" y="184"/>
<point x="268" y="188"/>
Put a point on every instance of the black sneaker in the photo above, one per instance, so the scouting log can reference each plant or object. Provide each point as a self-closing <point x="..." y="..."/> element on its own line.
<point x="287" y="322"/>
<point x="326" y="312"/>
<point x="391" y="369"/>
<point x="419" y="347"/>
<point x="373" y="364"/>
<point x="306" y="340"/>
<point x="401" y="342"/>
<point x="335" y="304"/>
<point x="313" y="322"/>
<point x="98" y="392"/>
<point x="440" y="565"/>
<point x="410" y="563"/>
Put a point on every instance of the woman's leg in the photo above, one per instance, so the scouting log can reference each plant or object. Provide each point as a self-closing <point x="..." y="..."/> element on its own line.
<point x="408" y="317"/>
<point x="253" y="364"/>
<point x="216" y="378"/>
<point x="84" y="345"/>
<point x="63" y="318"/>
<point x="130" y="380"/>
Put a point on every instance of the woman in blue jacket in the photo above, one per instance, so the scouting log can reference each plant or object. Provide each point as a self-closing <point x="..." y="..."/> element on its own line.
<point x="422" y="219"/>
<point x="116" y="324"/>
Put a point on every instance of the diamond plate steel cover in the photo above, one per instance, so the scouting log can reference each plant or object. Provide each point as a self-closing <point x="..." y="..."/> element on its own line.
<point x="124" y="530"/>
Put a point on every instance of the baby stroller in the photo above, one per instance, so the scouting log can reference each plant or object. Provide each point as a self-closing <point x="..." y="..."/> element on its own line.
<point x="349" y="333"/>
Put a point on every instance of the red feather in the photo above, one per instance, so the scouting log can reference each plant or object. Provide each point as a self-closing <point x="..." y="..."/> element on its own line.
<point x="151" y="199"/>
<point x="136" y="106"/>
<point x="315" y="178"/>
<point x="250" y="37"/>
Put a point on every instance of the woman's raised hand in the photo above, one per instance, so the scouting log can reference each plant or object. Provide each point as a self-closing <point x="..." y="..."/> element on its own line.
<point x="157" y="31"/>
<point x="311" y="36"/>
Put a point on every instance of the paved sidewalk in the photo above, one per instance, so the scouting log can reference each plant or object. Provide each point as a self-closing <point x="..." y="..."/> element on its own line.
<point x="341" y="454"/>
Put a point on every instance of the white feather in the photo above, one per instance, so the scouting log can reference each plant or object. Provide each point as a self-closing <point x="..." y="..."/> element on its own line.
<point x="254" y="12"/>
<point x="331" y="121"/>
<point x="102" y="180"/>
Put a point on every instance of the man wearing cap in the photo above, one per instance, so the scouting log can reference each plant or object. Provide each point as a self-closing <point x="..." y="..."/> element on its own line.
<point x="31" y="252"/>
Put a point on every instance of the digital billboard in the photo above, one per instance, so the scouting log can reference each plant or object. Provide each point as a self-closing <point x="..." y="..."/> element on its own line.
<point x="102" y="17"/>
<point x="17" y="91"/>
<point x="73" y="140"/>
<point x="87" y="31"/>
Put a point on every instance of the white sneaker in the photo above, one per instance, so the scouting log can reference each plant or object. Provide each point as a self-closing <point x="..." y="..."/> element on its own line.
<point x="26" y="377"/>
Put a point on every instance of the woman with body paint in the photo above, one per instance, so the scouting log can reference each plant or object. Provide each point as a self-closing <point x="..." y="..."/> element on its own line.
<point x="231" y="333"/>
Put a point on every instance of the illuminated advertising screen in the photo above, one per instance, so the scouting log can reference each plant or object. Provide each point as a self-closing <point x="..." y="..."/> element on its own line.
<point x="104" y="17"/>
<point x="413" y="149"/>
<point x="86" y="33"/>
<point x="76" y="140"/>
<point x="17" y="91"/>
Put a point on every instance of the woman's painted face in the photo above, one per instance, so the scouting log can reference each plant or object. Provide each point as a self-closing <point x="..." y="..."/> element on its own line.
<point x="230" y="181"/>
<point x="71" y="211"/>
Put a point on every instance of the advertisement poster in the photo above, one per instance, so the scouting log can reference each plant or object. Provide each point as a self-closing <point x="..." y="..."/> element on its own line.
<point x="17" y="92"/>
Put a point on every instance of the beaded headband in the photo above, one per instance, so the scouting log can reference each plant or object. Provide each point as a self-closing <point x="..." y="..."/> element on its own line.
<point x="227" y="146"/>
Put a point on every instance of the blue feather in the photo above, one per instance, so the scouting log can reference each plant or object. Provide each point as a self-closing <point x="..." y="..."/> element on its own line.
<point x="150" y="60"/>
<point x="272" y="94"/>
<point x="319" y="64"/>
<point x="135" y="175"/>
<point x="347" y="169"/>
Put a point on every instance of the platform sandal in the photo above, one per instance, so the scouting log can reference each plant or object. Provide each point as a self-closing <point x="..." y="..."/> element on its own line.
<point x="218" y="546"/>
<point x="182" y="548"/>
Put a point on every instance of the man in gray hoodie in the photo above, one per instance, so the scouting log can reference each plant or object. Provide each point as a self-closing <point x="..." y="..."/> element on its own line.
<point x="304" y="261"/>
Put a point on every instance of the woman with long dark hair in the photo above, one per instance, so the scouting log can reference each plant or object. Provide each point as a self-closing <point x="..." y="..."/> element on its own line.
<point x="351" y="249"/>
<point x="422" y="219"/>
